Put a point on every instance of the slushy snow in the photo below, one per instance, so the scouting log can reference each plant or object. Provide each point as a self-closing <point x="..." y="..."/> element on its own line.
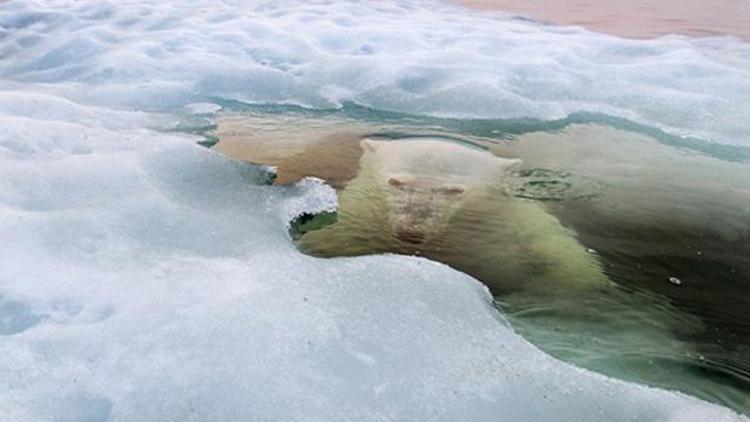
<point x="145" y="278"/>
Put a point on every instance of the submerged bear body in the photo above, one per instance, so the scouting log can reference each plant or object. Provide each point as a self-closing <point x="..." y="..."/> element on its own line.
<point x="445" y="200"/>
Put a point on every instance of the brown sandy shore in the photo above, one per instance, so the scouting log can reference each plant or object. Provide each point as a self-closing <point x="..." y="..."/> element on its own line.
<point x="635" y="18"/>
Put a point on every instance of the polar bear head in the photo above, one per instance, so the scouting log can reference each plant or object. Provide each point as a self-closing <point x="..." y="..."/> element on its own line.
<point x="427" y="179"/>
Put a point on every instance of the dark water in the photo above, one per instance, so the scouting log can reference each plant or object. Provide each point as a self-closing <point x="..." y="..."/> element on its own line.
<point x="614" y="247"/>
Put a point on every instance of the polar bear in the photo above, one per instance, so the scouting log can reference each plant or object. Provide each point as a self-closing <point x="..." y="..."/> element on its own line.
<point x="445" y="199"/>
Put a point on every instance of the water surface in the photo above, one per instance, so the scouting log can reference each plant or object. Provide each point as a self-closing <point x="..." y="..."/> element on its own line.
<point x="608" y="248"/>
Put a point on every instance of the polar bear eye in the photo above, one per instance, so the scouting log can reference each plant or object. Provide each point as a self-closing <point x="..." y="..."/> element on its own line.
<point x="451" y="190"/>
<point x="396" y="183"/>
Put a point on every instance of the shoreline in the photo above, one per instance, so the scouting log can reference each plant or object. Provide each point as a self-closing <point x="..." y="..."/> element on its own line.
<point x="638" y="19"/>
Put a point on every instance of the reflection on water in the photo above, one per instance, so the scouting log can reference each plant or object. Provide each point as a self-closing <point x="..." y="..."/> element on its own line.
<point x="577" y="242"/>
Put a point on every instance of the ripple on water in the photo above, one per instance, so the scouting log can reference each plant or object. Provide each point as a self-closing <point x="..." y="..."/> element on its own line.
<point x="551" y="185"/>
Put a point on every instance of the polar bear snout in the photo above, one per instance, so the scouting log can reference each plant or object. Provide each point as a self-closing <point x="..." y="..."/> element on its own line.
<point x="419" y="208"/>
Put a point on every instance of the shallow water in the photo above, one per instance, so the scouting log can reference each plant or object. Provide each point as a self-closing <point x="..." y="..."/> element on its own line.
<point x="578" y="244"/>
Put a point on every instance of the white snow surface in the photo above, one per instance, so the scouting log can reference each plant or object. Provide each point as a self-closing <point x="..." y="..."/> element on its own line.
<point x="145" y="278"/>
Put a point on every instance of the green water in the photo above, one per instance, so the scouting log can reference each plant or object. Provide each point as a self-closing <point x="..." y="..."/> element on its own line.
<point x="578" y="243"/>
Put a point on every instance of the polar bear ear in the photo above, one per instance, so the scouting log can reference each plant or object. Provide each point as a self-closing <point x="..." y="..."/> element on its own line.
<point x="369" y="144"/>
<point x="511" y="163"/>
